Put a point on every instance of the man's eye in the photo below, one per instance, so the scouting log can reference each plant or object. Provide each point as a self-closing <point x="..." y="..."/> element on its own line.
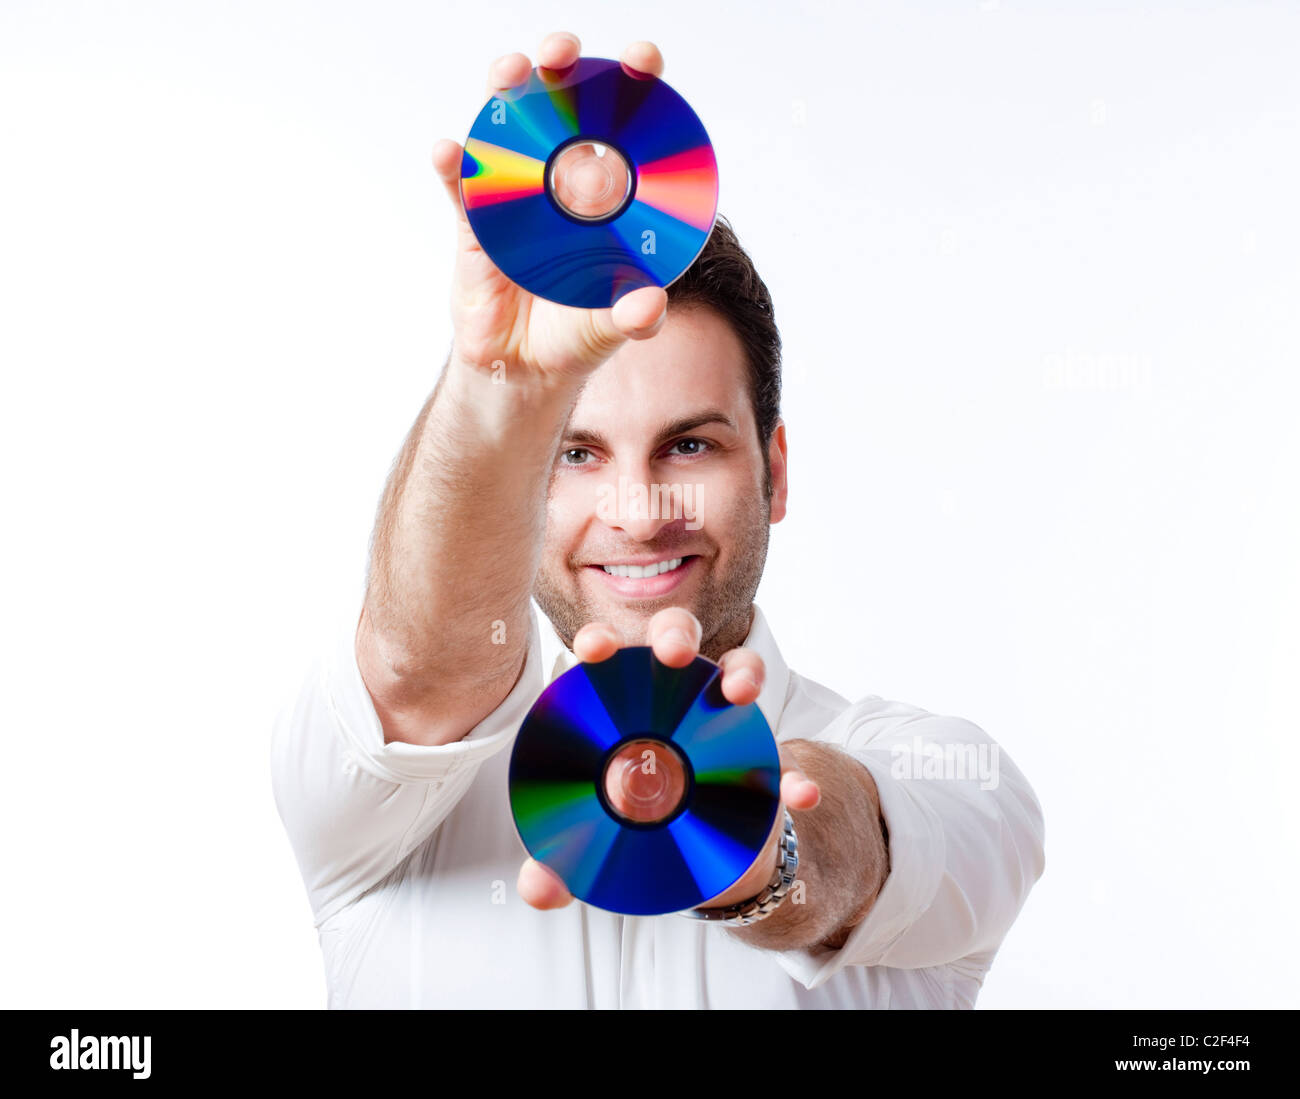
<point x="694" y="446"/>
<point x="568" y="456"/>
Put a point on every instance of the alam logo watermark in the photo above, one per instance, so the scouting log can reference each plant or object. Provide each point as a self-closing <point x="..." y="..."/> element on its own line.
<point x="1102" y="372"/>
<point x="123" y="1053"/>
<point x="956" y="762"/>
<point x="633" y="500"/>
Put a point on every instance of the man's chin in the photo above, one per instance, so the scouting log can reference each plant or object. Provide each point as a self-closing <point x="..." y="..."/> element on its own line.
<point x="632" y="622"/>
<point x="590" y="599"/>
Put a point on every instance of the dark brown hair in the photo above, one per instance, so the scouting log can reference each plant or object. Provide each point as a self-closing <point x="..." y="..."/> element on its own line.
<point x="723" y="278"/>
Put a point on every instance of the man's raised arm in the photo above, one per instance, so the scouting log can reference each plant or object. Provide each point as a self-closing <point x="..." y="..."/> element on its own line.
<point x="442" y="635"/>
<point x="442" y="632"/>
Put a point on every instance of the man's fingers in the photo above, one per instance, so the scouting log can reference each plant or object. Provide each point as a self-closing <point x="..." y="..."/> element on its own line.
<point x="541" y="887"/>
<point x="643" y="57"/>
<point x="798" y="791"/>
<point x="447" y="156"/>
<point x="742" y="676"/>
<point x="559" y="50"/>
<point x="638" y="315"/>
<point x="507" y="72"/>
<point x="674" y="634"/>
<point x="596" y="641"/>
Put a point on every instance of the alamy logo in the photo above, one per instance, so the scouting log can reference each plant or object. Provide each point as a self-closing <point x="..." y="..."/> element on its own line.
<point x="927" y="760"/>
<point x="633" y="500"/>
<point x="75" y="1051"/>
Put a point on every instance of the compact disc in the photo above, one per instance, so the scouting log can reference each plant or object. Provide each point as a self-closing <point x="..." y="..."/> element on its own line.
<point x="641" y="786"/>
<point x="588" y="182"/>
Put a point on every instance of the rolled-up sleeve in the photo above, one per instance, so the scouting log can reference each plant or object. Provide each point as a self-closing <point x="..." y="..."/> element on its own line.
<point x="966" y="842"/>
<point x="355" y="807"/>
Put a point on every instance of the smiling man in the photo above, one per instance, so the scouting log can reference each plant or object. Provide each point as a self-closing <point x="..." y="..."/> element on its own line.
<point x="673" y="411"/>
<point x="507" y="548"/>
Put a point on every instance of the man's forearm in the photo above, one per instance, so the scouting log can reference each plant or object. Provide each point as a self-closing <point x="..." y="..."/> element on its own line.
<point x="457" y="542"/>
<point x="843" y="855"/>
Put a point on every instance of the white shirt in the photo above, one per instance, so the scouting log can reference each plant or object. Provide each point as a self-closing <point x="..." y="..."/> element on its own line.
<point x="410" y="857"/>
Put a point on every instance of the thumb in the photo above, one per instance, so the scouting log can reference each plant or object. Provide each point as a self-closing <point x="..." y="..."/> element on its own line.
<point x="637" y="316"/>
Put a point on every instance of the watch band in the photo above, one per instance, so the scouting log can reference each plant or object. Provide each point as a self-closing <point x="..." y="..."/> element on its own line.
<point x="759" y="907"/>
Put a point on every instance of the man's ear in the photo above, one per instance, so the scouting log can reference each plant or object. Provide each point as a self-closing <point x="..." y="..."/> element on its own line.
<point x="777" y="456"/>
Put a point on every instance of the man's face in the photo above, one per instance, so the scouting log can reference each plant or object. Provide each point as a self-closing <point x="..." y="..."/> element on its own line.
<point x="660" y="461"/>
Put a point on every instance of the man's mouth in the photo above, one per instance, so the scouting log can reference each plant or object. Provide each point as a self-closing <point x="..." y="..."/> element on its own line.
<point x="646" y="579"/>
<point x="637" y="571"/>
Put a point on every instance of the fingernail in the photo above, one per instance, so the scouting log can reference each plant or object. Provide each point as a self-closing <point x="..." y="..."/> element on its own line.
<point x="678" y="637"/>
<point x="748" y="675"/>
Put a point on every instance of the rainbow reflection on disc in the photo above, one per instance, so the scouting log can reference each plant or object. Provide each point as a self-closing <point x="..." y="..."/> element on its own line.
<point x="641" y="786"/>
<point x="584" y="184"/>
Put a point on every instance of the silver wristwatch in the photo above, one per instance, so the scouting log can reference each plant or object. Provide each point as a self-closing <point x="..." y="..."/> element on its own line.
<point x="759" y="907"/>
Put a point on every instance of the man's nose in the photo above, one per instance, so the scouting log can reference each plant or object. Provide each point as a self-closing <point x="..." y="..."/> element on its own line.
<point x="633" y="503"/>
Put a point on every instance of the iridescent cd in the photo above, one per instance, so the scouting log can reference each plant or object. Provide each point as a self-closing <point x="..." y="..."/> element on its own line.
<point x="641" y="786"/>
<point x="584" y="184"/>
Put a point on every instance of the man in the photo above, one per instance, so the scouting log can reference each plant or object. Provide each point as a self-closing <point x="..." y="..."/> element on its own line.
<point x="508" y="498"/>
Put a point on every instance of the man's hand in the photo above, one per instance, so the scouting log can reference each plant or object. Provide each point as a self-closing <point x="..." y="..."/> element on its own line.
<point x="674" y="635"/>
<point x="497" y="322"/>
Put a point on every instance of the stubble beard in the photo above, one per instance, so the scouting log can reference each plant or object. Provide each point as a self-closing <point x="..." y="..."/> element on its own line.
<point x="722" y="603"/>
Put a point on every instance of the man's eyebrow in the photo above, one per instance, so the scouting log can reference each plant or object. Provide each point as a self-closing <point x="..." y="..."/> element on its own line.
<point x="587" y="437"/>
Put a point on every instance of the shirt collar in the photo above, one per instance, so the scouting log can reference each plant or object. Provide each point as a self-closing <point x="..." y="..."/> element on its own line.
<point x="558" y="658"/>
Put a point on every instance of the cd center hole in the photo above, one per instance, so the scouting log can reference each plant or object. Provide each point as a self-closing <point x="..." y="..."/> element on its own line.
<point x="645" y="780"/>
<point x="589" y="180"/>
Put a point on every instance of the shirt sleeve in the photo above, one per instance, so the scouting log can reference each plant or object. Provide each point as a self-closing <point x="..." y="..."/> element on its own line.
<point x="966" y="843"/>
<point x="355" y="807"/>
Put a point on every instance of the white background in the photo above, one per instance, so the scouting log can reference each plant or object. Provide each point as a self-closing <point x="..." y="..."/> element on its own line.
<point x="1037" y="273"/>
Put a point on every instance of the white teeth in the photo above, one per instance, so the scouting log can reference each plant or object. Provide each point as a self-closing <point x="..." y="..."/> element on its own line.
<point x="639" y="571"/>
